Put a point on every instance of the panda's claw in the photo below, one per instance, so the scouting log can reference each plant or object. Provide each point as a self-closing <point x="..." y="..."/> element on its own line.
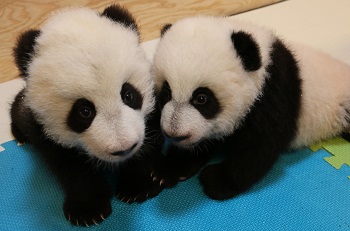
<point x="161" y="182"/>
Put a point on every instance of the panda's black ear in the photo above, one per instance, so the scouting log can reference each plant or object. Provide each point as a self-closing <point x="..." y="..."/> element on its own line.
<point x="247" y="49"/>
<point x="23" y="51"/>
<point x="164" y="29"/>
<point x="120" y="15"/>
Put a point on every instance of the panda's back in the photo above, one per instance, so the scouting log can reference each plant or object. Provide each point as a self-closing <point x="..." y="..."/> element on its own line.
<point x="325" y="97"/>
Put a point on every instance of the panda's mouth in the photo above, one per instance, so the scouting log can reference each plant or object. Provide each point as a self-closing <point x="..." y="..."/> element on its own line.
<point x="125" y="152"/>
<point x="180" y="141"/>
<point x="175" y="139"/>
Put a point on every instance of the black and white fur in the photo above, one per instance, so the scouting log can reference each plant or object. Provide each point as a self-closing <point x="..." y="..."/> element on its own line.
<point x="88" y="95"/>
<point x="238" y="85"/>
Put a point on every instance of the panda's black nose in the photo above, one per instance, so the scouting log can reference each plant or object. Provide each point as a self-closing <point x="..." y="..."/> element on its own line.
<point x="123" y="153"/>
<point x="176" y="138"/>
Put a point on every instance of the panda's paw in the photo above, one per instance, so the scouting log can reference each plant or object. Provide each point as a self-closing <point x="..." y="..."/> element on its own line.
<point x="175" y="169"/>
<point x="137" y="189"/>
<point x="216" y="184"/>
<point x="86" y="213"/>
<point x="168" y="177"/>
<point x="17" y="134"/>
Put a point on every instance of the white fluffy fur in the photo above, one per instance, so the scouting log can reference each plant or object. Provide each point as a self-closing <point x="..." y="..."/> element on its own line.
<point x="325" y="98"/>
<point x="198" y="52"/>
<point x="80" y="54"/>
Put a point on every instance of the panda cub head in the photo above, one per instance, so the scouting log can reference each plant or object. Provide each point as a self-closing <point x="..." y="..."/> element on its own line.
<point x="88" y="81"/>
<point x="208" y="73"/>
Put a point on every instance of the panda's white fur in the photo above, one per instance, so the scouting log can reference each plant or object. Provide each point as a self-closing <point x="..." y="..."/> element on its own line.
<point x="325" y="98"/>
<point x="198" y="52"/>
<point x="80" y="54"/>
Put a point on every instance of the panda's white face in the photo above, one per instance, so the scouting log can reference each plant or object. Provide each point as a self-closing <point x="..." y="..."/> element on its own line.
<point x="89" y="84"/>
<point x="204" y="90"/>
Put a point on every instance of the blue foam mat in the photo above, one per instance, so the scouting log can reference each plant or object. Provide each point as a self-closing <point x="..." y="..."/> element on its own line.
<point x="302" y="192"/>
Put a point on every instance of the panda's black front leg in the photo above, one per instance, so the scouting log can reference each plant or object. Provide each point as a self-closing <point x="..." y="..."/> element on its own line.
<point x="21" y="119"/>
<point x="87" y="193"/>
<point x="85" y="205"/>
<point x="135" y="183"/>
<point x="89" y="209"/>
<point x="237" y="173"/>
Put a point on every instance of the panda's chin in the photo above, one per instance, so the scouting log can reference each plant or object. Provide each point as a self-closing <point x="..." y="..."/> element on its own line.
<point x="114" y="159"/>
<point x="185" y="144"/>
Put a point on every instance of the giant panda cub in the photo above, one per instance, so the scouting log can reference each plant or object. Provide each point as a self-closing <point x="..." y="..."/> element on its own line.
<point x="222" y="82"/>
<point x="88" y="96"/>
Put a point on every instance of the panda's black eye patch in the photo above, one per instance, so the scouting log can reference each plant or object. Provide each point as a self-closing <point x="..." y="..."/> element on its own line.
<point x="204" y="100"/>
<point x="165" y="94"/>
<point x="131" y="97"/>
<point x="81" y="115"/>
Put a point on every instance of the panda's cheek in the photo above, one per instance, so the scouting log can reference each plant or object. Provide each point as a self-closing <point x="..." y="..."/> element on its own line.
<point x="200" y="131"/>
